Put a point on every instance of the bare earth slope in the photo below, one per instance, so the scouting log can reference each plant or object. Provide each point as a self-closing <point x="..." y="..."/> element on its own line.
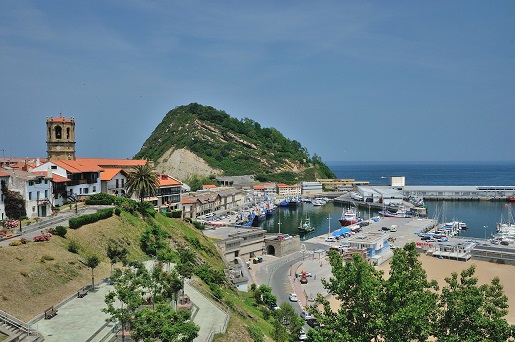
<point x="182" y="163"/>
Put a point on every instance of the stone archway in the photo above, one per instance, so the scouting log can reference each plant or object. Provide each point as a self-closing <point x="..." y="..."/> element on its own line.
<point x="270" y="250"/>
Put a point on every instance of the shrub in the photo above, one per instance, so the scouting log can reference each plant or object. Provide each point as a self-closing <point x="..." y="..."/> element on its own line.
<point x="150" y="212"/>
<point x="100" y="199"/>
<point x="11" y="224"/>
<point x="77" y="222"/>
<point x="15" y="243"/>
<point x="24" y="241"/>
<point x="73" y="247"/>
<point x="198" y="225"/>
<point x="117" y="211"/>
<point x="174" y="214"/>
<point x="42" y="237"/>
<point x="255" y="333"/>
<point x="216" y="291"/>
<point x="61" y="231"/>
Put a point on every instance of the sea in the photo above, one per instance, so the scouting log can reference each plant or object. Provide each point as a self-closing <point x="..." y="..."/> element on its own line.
<point x="481" y="216"/>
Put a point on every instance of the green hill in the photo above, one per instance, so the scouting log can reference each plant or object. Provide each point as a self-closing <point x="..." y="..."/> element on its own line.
<point x="230" y="146"/>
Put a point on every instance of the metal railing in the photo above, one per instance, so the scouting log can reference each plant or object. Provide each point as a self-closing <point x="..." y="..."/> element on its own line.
<point x="18" y="324"/>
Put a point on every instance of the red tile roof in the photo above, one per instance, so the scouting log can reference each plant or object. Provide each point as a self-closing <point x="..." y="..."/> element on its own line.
<point x="77" y="166"/>
<point x="59" y="119"/>
<point x="188" y="201"/>
<point x="59" y="179"/>
<point x="107" y="162"/>
<point x="108" y="174"/>
<point x="208" y="186"/>
<point x="165" y="180"/>
<point x="3" y="174"/>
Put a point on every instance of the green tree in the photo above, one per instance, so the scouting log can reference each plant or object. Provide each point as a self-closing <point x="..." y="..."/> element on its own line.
<point x="263" y="295"/>
<point x="128" y="289"/>
<point x="116" y="253"/>
<point x="163" y="324"/>
<point x="13" y="202"/>
<point x="469" y="312"/>
<point x="153" y="240"/>
<point x="187" y="262"/>
<point x="357" y="285"/>
<point x="92" y="262"/>
<point x="143" y="181"/>
<point x="287" y="323"/>
<point x="411" y="299"/>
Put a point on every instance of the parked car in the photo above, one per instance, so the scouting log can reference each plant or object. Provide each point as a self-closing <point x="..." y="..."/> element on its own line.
<point x="274" y="306"/>
<point x="302" y="335"/>
<point x="313" y="322"/>
<point x="293" y="297"/>
<point x="306" y="315"/>
<point x="330" y="239"/>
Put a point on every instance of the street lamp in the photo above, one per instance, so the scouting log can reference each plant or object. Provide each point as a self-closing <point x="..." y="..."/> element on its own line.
<point x="329" y="226"/>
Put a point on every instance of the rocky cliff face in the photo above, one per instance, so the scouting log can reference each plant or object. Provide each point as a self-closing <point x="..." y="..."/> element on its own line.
<point x="183" y="164"/>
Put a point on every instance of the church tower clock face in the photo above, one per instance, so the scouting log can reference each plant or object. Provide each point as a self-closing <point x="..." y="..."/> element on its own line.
<point x="58" y="147"/>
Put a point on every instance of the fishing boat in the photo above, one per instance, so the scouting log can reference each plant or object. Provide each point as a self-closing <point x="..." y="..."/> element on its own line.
<point x="349" y="217"/>
<point x="294" y="202"/>
<point x="270" y="209"/>
<point x="257" y="217"/>
<point x="305" y="227"/>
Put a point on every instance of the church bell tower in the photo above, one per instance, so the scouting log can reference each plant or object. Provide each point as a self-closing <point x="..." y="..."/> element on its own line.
<point x="60" y="138"/>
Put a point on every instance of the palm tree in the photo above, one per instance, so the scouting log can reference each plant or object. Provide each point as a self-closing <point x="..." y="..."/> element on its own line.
<point x="143" y="181"/>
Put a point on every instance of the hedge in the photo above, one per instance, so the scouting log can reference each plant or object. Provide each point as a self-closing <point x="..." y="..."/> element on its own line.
<point x="80" y="221"/>
<point x="174" y="214"/>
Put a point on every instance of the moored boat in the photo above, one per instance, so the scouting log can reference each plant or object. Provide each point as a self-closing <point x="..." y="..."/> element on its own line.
<point x="349" y="217"/>
<point x="305" y="227"/>
<point x="400" y="213"/>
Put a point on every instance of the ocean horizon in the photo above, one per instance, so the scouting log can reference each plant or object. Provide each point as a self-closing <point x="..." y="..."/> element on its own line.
<point x="428" y="173"/>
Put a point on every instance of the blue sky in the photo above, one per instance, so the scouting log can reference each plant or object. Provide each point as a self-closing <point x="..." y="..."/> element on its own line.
<point x="349" y="80"/>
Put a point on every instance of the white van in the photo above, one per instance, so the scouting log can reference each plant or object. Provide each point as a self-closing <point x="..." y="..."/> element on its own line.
<point x="393" y="228"/>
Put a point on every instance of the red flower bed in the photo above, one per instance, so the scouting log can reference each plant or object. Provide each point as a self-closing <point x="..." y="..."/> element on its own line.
<point x="42" y="237"/>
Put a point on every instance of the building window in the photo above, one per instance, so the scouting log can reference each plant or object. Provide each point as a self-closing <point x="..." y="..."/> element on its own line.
<point x="33" y="209"/>
<point x="116" y="183"/>
<point x="80" y="191"/>
<point x="46" y="193"/>
<point x="30" y="196"/>
<point x="31" y="183"/>
<point x="86" y="190"/>
<point x="94" y="188"/>
<point x="53" y="167"/>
